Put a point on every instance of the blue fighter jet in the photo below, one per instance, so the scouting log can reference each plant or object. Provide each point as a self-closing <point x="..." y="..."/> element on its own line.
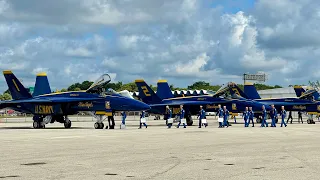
<point x="51" y="107"/>
<point x="191" y="103"/>
<point x="290" y="104"/>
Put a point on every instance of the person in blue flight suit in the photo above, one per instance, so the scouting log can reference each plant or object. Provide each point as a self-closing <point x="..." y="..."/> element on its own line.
<point x="251" y="116"/>
<point x="283" y="114"/>
<point x="142" y="115"/>
<point x="220" y="115"/>
<point x="225" y="116"/>
<point x="246" y="117"/>
<point x="124" y="116"/>
<point x="264" y="117"/>
<point x="168" y="115"/>
<point x="202" y="115"/>
<point x="273" y="114"/>
<point x="181" y="113"/>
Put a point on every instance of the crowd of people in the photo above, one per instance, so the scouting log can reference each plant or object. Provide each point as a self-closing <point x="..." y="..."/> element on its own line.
<point x="223" y="117"/>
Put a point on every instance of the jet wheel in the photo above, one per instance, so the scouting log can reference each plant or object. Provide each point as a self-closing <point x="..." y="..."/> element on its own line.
<point x="96" y="125"/>
<point x="67" y="124"/>
<point x="35" y="125"/>
<point x="259" y="120"/>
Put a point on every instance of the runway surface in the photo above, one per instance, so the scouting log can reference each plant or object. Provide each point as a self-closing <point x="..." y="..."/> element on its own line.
<point x="233" y="153"/>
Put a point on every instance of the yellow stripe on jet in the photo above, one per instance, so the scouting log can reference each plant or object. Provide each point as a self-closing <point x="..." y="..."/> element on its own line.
<point x="162" y="81"/>
<point x="139" y="80"/>
<point x="42" y="74"/>
<point x="7" y="72"/>
<point x="15" y="84"/>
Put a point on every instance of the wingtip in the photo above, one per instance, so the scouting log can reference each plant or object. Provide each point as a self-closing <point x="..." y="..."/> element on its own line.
<point x="42" y="74"/>
<point x="139" y="80"/>
<point x="162" y="81"/>
<point x="7" y="72"/>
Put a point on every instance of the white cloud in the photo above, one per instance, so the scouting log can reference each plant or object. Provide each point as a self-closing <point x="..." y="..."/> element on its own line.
<point x="79" y="52"/>
<point x="182" y="40"/>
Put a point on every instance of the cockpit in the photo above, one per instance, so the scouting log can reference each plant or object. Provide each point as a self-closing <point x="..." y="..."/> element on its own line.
<point x="97" y="86"/>
<point x="224" y="92"/>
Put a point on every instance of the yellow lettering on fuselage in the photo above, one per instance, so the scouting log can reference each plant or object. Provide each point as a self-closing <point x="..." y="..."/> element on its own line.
<point x="299" y="107"/>
<point x="201" y="99"/>
<point x="212" y="106"/>
<point x="43" y="109"/>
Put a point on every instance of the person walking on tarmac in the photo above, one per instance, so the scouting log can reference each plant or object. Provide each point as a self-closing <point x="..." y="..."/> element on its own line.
<point x="273" y="114"/>
<point x="245" y="117"/>
<point x="225" y="116"/>
<point x="220" y="115"/>
<point x="290" y="117"/>
<point x="264" y="117"/>
<point x="300" y="117"/>
<point x="251" y="116"/>
<point x="181" y="117"/>
<point x="168" y="116"/>
<point x="283" y="114"/>
<point x="111" y="121"/>
<point x="143" y="120"/>
<point x="124" y="116"/>
<point x="202" y="115"/>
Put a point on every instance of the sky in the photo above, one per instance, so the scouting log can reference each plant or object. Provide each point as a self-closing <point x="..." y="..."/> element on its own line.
<point x="183" y="41"/>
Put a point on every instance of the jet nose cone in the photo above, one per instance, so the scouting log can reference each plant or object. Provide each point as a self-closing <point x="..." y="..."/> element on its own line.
<point x="143" y="106"/>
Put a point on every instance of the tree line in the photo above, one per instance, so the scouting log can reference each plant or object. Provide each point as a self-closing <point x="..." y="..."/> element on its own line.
<point x="119" y="86"/>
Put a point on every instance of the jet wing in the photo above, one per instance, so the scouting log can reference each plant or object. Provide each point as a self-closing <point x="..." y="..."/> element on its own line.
<point x="50" y="100"/>
<point x="287" y="103"/>
<point x="175" y="103"/>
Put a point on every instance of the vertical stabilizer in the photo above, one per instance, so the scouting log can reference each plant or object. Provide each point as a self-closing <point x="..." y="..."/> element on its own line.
<point x="163" y="90"/>
<point x="42" y="85"/>
<point x="17" y="90"/>
<point x="147" y="95"/>
<point x="251" y="91"/>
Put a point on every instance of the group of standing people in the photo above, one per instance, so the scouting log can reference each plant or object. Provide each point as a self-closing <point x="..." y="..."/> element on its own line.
<point x="249" y="115"/>
<point x="223" y="116"/>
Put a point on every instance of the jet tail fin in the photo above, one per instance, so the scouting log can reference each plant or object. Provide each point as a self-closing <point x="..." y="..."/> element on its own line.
<point x="299" y="90"/>
<point x="235" y="90"/>
<point x="163" y="90"/>
<point x="17" y="90"/>
<point x="251" y="91"/>
<point x="147" y="95"/>
<point x="42" y="85"/>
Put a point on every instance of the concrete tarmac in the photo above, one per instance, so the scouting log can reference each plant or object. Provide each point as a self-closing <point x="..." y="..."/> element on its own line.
<point x="233" y="153"/>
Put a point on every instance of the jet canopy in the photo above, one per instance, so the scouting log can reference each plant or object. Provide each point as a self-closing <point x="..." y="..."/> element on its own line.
<point x="97" y="86"/>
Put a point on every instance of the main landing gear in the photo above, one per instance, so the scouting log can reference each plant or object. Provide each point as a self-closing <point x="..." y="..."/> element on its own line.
<point x="40" y="122"/>
<point x="99" y="124"/>
<point x="38" y="125"/>
<point x="67" y="122"/>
